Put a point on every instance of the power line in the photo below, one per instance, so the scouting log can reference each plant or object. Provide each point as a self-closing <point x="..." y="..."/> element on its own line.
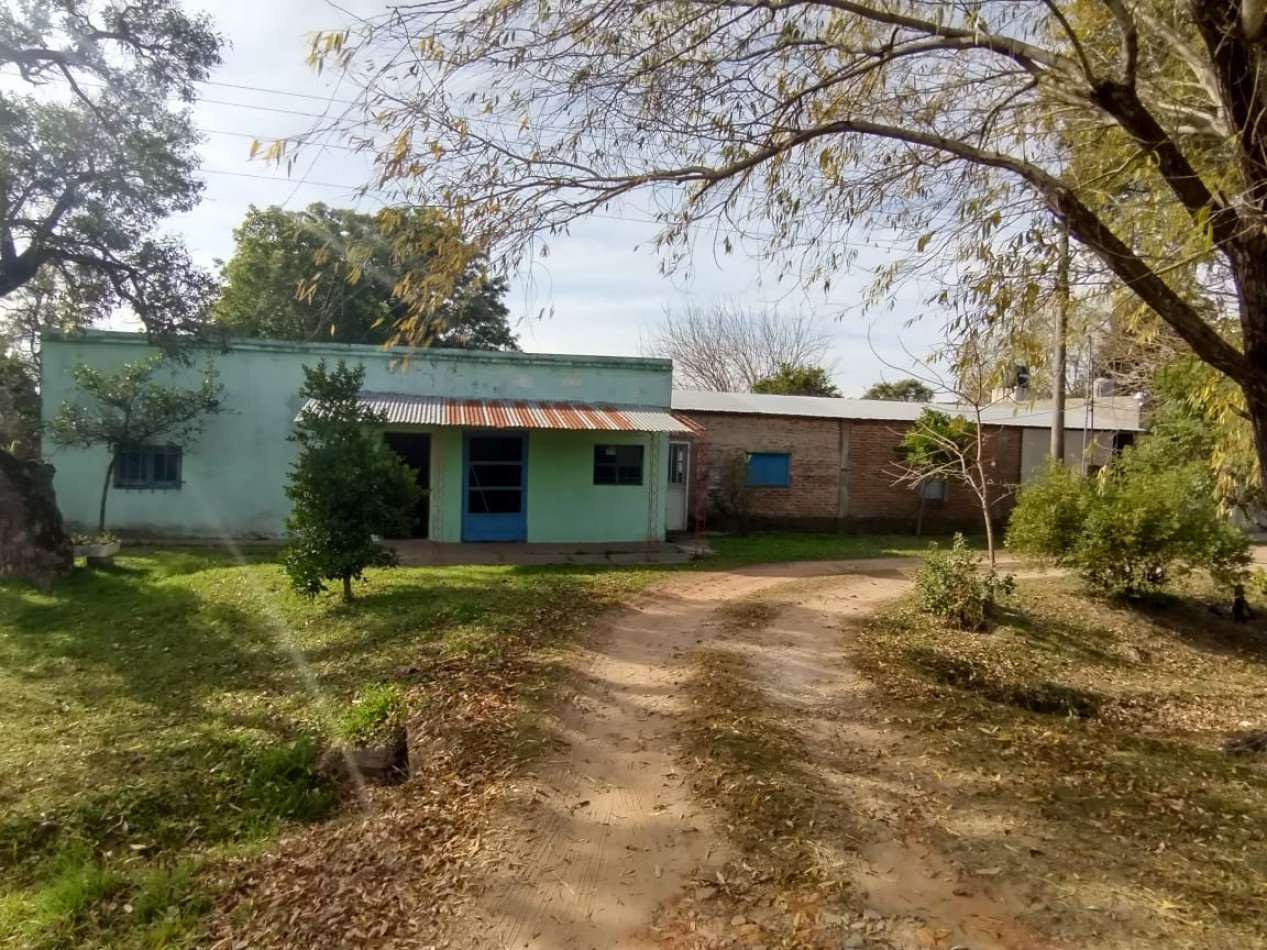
<point x="274" y="178"/>
<point x="280" y="92"/>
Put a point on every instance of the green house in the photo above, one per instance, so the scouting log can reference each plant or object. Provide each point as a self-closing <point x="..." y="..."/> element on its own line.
<point x="509" y="446"/>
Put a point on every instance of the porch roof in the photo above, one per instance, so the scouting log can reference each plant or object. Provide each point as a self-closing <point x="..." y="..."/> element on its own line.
<point x="406" y="409"/>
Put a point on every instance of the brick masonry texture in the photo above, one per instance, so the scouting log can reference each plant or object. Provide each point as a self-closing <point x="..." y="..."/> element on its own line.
<point x="813" y="499"/>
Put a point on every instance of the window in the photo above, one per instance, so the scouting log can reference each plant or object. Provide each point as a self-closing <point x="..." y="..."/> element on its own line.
<point x="770" y="469"/>
<point x="618" y="465"/>
<point x="932" y="489"/>
<point x="679" y="461"/>
<point x="147" y="466"/>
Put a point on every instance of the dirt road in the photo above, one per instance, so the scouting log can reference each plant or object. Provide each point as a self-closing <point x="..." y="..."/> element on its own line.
<point x="608" y="832"/>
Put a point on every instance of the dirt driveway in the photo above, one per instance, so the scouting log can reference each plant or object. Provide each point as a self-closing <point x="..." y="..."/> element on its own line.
<point x="607" y="846"/>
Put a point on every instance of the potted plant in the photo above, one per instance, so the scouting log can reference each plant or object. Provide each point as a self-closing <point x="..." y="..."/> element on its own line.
<point x="98" y="549"/>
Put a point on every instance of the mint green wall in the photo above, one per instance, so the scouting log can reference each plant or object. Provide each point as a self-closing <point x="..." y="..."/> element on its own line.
<point x="564" y="504"/>
<point x="235" y="474"/>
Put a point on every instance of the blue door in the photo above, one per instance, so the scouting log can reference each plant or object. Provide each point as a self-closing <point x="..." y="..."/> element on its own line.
<point x="493" y="502"/>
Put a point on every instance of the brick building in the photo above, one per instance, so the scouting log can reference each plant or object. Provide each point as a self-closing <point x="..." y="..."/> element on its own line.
<point x="829" y="464"/>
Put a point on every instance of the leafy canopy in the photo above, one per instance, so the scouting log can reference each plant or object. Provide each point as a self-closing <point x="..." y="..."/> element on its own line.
<point x="901" y="390"/>
<point x="792" y="380"/>
<point x="331" y="273"/>
<point x="129" y="407"/>
<point x="346" y="487"/>
<point x="789" y="128"/>
<point x="97" y="146"/>
<point x="938" y="444"/>
<point x="1132" y="529"/>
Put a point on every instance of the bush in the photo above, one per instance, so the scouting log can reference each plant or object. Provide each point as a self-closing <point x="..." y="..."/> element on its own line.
<point x="953" y="588"/>
<point x="1134" y="527"/>
<point x="731" y="497"/>
<point x="347" y="487"/>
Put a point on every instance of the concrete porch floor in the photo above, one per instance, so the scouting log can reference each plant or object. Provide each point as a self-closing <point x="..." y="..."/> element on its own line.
<point x="421" y="553"/>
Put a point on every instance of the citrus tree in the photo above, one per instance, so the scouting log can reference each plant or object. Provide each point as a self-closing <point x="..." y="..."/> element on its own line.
<point x="347" y="487"/>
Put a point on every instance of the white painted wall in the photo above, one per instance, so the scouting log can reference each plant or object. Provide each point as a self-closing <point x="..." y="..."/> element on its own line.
<point x="1097" y="449"/>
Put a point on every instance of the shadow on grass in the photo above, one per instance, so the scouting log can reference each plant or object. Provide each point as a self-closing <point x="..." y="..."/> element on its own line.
<point x="1067" y="638"/>
<point x="1193" y="622"/>
<point x="161" y="644"/>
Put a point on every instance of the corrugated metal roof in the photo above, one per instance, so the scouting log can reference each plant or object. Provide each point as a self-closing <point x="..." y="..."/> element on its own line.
<point x="1112" y="416"/>
<point x="405" y="409"/>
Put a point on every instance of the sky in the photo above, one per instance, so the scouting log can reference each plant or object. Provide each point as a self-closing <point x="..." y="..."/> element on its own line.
<point x="600" y="290"/>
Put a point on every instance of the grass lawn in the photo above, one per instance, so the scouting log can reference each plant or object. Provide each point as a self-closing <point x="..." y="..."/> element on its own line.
<point x="776" y="547"/>
<point x="163" y="717"/>
<point x="1073" y="751"/>
<point x="164" y="714"/>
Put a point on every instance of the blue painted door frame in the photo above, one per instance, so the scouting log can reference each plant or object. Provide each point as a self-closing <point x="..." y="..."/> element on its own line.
<point x="494" y="486"/>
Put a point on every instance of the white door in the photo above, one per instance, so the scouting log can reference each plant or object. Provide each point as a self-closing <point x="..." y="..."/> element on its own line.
<point x="675" y="515"/>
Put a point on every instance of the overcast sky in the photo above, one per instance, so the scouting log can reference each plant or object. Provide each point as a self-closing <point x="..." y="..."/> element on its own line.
<point x="601" y="285"/>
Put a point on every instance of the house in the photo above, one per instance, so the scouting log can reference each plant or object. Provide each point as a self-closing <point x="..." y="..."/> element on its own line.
<point x="817" y="463"/>
<point x="509" y="446"/>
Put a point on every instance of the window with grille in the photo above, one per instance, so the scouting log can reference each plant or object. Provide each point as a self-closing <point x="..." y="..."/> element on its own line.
<point x="147" y="466"/>
<point x="618" y="465"/>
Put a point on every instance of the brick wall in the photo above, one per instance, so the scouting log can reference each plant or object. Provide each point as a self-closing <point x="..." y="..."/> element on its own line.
<point x="873" y="496"/>
<point x="814" y="447"/>
<point x="813" y="498"/>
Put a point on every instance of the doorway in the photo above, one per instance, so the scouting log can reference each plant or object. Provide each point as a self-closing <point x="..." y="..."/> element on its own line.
<point x="493" y="488"/>
<point x="675" y="501"/>
<point x="414" y="448"/>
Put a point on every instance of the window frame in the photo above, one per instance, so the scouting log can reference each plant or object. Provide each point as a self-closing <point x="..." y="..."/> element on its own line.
<point x="617" y="466"/>
<point x="922" y="486"/>
<point x="149" y="456"/>
<point x="786" y="483"/>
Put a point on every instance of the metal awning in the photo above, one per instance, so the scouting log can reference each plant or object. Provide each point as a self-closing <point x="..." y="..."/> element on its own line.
<point x="403" y="409"/>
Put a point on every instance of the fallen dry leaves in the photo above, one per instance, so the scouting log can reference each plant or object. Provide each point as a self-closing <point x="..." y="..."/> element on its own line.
<point x="401" y="862"/>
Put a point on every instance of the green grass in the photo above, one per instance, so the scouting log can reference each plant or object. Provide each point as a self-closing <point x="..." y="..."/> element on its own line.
<point x="167" y="712"/>
<point x="1076" y="748"/>
<point x="776" y="547"/>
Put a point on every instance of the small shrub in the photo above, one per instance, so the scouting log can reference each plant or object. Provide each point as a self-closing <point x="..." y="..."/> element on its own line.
<point x="952" y="587"/>
<point x="1132" y="529"/>
<point x="1256" y="586"/>
<point x="731" y="497"/>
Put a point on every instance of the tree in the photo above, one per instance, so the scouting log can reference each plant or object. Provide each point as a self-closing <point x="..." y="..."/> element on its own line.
<point x="790" y="124"/>
<point x="275" y="288"/>
<point x="347" y="486"/>
<point x="129" y="408"/>
<point x="97" y="145"/>
<point x="19" y="409"/>
<point x="939" y="445"/>
<point x="902" y="390"/>
<point x="89" y="173"/>
<point x="792" y="380"/>
<point x="1129" y="531"/>
<point x="727" y="347"/>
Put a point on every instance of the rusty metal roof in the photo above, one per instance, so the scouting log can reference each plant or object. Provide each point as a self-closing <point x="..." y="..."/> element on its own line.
<point x="405" y="409"/>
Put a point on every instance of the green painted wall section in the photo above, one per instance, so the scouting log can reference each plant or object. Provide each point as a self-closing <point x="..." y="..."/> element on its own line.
<point x="234" y="476"/>
<point x="564" y="504"/>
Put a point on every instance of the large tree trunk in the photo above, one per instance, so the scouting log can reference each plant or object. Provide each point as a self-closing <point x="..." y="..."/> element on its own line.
<point x="1249" y="263"/>
<point x="34" y="544"/>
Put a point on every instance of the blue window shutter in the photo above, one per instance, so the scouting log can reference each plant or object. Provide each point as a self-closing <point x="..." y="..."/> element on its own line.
<point x="769" y="468"/>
